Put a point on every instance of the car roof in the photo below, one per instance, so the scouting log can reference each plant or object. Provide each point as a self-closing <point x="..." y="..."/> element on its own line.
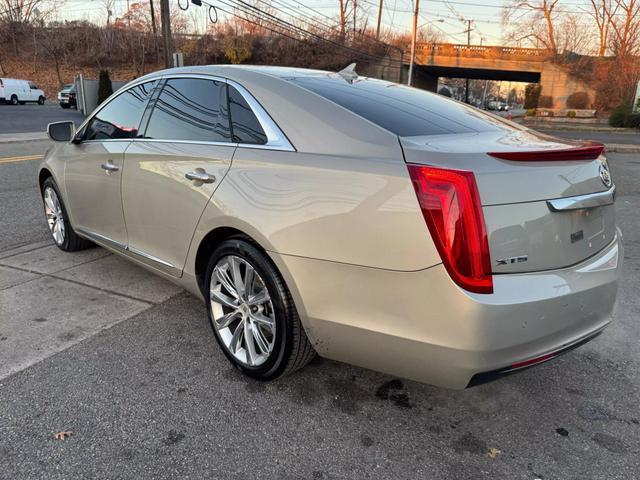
<point x="232" y="71"/>
<point x="330" y="130"/>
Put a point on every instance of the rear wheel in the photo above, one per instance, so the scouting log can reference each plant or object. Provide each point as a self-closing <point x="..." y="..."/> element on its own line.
<point x="13" y="100"/>
<point x="40" y="100"/>
<point x="252" y="313"/>
<point x="58" y="221"/>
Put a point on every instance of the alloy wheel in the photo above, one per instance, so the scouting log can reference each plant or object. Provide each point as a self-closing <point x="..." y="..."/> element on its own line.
<point x="55" y="216"/>
<point x="242" y="311"/>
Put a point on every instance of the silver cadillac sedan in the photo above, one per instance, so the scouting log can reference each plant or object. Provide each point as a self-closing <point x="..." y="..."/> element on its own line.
<point x="362" y="220"/>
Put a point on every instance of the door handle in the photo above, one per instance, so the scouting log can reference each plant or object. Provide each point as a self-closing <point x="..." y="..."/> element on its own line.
<point x="109" y="167"/>
<point x="203" y="177"/>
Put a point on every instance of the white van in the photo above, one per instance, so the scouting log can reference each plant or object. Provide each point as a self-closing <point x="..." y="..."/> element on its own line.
<point x="16" y="91"/>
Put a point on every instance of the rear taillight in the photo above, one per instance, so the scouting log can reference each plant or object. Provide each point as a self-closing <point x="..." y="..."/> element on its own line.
<point x="451" y="207"/>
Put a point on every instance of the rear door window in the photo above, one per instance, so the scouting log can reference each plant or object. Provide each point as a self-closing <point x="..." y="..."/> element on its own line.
<point x="120" y="118"/>
<point x="402" y="110"/>
<point x="191" y="109"/>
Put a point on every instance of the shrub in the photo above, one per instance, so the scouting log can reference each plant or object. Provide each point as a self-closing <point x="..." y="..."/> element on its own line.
<point x="632" y="120"/>
<point x="545" y="101"/>
<point x="531" y="112"/>
<point x="105" y="89"/>
<point x="579" y="100"/>
<point x="619" y="116"/>
<point x="531" y="95"/>
<point x="571" y="114"/>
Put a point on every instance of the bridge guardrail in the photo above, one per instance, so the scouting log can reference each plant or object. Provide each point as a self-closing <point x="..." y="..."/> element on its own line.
<point x="481" y="51"/>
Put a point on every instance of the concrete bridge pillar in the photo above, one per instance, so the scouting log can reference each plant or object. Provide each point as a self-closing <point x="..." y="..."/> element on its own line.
<point x="425" y="80"/>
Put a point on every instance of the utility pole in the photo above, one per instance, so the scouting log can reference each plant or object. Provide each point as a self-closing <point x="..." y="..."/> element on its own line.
<point x="355" y="7"/>
<point x="128" y="15"/>
<point x="165" y="19"/>
<point x="414" y="34"/>
<point x="379" y="20"/>
<point x="466" y="89"/>
<point x="155" y="31"/>
<point x="343" y="8"/>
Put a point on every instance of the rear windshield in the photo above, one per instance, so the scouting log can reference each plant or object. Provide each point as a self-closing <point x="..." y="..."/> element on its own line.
<point x="402" y="110"/>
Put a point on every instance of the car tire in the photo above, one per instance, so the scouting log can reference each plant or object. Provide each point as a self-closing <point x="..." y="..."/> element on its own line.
<point x="65" y="236"/>
<point x="65" y="105"/>
<point x="290" y="349"/>
<point x="40" y="100"/>
<point x="13" y="100"/>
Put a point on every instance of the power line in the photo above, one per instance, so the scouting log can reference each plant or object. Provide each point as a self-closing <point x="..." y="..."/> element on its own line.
<point x="290" y="29"/>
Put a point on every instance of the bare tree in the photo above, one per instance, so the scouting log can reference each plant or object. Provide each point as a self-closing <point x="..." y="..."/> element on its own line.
<point x="599" y="10"/>
<point x="344" y="5"/>
<point x="16" y="14"/>
<point x="535" y="17"/>
<point x="573" y="35"/>
<point x="624" y="18"/>
<point x="108" y="6"/>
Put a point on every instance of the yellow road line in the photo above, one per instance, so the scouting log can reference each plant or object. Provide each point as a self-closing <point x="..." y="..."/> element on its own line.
<point x="20" y="159"/>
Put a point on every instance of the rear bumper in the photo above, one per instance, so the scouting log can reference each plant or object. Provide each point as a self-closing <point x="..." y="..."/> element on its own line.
<point x="421" y="326"/>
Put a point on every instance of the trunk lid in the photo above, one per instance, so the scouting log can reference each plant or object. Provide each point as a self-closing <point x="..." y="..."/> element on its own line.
<point x="539" y="214"/>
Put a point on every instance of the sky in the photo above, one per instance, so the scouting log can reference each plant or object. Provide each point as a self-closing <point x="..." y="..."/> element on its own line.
<point x="442" y="16"/>
<point x="448" y="17"/>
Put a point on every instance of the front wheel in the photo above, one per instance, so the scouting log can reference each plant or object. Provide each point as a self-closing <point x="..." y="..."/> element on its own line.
<point x="40" y="100"/>
<point x="58" y="221"/>
<point x="252" y="313"/>
<point x="13" y="100"/>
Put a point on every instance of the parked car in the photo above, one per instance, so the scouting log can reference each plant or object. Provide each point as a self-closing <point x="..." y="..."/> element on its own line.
<point x="367" y="221"/>
<point x="16" y="91"/>
<point x="499" y="106"/>
<point x="67" y="96"/>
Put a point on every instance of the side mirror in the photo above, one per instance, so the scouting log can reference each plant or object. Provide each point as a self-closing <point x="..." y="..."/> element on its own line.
<point x="61" y="131"/>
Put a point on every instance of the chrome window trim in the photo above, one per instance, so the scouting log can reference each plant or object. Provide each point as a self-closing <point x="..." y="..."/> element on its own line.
<point x="276" y="139"/>
<point x="191" y="142"/>
<point x="116" y="94"/>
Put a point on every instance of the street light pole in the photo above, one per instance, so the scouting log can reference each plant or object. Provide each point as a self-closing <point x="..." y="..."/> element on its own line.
<point x="413" y="40"/>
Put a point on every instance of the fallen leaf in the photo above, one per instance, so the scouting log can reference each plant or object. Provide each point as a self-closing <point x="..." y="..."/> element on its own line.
<point x="62" y="435"/>
<point x="493" y="452"/>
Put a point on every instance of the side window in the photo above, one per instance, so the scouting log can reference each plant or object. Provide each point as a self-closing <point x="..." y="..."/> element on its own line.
<point x="120" y="118"/>
<point x="245" y="127"/>
<point x="32" y="86"/>
<point x="191" y="109"/>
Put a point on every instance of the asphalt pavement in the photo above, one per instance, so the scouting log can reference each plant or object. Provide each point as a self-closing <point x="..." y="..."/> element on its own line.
<point x="631" y="137"/>
<point x="33" y="117"/>
<point x="126" y="362"/>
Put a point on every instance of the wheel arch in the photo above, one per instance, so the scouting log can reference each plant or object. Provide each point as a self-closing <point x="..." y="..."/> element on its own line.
<point x="219" y="234"/>
<point x="43" y="174"/>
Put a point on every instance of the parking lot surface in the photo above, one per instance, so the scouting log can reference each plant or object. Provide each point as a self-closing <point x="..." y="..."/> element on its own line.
<point x="126" y="362"/>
